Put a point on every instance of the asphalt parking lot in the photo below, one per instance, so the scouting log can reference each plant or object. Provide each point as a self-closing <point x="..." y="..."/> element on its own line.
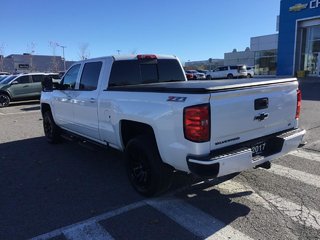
<point x="73" y="191"/>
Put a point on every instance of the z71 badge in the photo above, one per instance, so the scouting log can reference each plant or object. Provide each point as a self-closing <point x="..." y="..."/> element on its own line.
<point x="176" y="99"/>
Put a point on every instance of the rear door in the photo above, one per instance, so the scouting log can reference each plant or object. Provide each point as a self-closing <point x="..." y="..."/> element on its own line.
<point x="86" y="101"/>
<point x="21" y="87"/>
<point x="242" y="115"/>
<point x="36" y="85"/>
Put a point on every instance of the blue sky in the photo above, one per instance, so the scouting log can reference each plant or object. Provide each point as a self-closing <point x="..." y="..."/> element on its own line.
<point x="192" y="30"/>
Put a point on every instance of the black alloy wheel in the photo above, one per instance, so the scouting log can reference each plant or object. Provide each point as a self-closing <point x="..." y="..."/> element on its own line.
<point x="4" y="100"/>
<point x="145" y="169"/>
<point x="51" y="130"/>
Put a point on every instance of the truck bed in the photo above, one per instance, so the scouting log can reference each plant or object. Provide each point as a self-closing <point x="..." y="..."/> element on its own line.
<point x="206" y="86"/>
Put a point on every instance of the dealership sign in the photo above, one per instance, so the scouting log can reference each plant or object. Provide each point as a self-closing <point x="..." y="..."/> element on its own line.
<point x="300" y="6"/>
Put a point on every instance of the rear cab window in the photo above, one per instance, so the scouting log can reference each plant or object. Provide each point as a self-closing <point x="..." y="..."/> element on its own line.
<point x="145" y="71"/>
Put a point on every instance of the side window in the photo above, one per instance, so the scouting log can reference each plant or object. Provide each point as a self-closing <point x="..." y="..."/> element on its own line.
<point x="69" y="80"/>
<point x="37" y="78"/>
<point x="234" y="67"/>
<point x="90" y="76"/>
<point x="23" y="79"/>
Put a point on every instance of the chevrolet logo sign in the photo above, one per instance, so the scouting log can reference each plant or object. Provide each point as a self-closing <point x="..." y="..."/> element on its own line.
<point x="298" y="7"/>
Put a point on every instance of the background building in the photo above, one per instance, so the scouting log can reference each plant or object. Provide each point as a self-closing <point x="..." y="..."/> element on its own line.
<point x="242" y="57"/>
<point x="24" y="63"/>
<point x="205" y="64"/>
<point x="299" y="38"/>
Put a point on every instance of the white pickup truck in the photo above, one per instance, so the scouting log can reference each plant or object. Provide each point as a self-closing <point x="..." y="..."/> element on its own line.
<point x="143" y="105"/>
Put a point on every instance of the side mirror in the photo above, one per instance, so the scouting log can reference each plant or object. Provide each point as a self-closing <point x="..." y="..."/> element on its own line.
<point x="14" y="83"/>
<point x="47" y="85"/>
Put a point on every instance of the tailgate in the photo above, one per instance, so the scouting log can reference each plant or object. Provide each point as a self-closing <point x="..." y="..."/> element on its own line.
<point x="244" y="114"/>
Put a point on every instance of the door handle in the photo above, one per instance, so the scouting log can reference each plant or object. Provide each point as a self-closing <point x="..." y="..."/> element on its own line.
<point x="92" y="100"/>
<point x="25" y="86"/>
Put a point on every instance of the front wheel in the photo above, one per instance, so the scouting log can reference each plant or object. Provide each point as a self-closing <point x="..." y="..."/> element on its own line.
<point x="145" y="169"/>
<point x="51" y="130"/>
<point x="4" y="100"/>
<point x="230" y="76"/>
<point x="208" y="77"/>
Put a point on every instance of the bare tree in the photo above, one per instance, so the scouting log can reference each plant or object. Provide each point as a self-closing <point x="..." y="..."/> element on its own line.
<point x="2" y="46"/>
<point x="54" y="62"/>
<point x="84" y="52"/>
<point x="134" y="51"/>
<point x="31" y="50"/>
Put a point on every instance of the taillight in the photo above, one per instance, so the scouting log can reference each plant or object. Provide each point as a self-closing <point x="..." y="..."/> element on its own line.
<point x="299" y="98"/>
<point x="196" y="123"/>
<point x="146" y="56"/>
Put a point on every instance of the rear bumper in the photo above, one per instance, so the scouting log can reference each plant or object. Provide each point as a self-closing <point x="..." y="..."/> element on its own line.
<point x="239" y="158"/>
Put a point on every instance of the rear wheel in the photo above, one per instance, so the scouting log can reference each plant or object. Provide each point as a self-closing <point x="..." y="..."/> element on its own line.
<point x="146" y="171"/>
<point x="230" y="76"/>
<point x="4" y="100"/>
<point x="51" y="130"/>
<point x="208" y="77"/>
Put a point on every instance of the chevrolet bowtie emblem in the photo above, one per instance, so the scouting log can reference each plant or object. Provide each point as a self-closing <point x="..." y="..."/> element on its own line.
<point x="298" y="7"/>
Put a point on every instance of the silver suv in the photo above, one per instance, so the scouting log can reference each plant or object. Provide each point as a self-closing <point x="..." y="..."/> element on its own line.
<point x="235" y="71"/>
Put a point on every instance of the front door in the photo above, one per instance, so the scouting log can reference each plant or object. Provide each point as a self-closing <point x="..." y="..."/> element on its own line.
<point x="63" y="100"/>
<point x="21" y="87"/>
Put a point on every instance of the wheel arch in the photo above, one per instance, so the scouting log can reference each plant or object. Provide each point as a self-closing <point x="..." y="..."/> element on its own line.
<point x="45" y="107"/>
<point x="6" y="93"/>
<point x="130" y="129"/>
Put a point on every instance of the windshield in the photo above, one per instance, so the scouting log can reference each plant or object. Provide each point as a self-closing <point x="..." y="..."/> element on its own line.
<point x="8" y="79"/>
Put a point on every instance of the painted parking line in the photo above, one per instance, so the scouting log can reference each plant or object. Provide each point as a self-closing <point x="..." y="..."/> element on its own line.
<point x="296" y="212"/>
<point x="312" y="156"/>
<point x="87" y="232"/>
<point x="307" y="178"/>
<point x="90" y="221"/>
<point x="235" y="187"/>
<point x="196" y="221"/>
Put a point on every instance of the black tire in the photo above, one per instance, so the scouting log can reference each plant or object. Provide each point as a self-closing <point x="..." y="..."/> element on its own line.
<point x="230" y="76"/>
<point x="51" y="130"/>
<point x="4" y="100"/>
<point x="249" y="75"/>
<point x="208" y="77"/>
<point x="146" y="171"/>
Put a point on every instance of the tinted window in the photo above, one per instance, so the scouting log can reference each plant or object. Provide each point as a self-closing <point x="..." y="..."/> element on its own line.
<point x="90" y="76"/>
<point x="234" y="67"/>
<point x="8" y="79"/>
<point x="69" y="80"/>
<point x="37" y="78"/>
<point x="23" y="79"/>
<point x="131" y="72"/>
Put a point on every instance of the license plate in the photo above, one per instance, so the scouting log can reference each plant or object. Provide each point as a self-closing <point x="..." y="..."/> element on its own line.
<point x="258" y="149"/>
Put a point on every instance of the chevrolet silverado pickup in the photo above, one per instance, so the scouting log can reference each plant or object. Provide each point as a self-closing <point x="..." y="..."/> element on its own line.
<point x="144" y="105"/>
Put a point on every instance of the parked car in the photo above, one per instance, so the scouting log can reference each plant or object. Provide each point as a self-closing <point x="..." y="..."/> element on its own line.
<point x="250" y="71"/>
<point x="4" y="73"/>
<point x="235" y="71"/>
<point x="195" y="75"/>
<point x="202" y="71"/>
<point x="22" y="86"/>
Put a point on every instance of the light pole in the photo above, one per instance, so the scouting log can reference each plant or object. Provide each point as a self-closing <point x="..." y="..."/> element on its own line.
<point x="64" y="60"/>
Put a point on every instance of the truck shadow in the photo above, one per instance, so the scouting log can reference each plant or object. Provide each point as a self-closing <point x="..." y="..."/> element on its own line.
<point x="45" y="187"/>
